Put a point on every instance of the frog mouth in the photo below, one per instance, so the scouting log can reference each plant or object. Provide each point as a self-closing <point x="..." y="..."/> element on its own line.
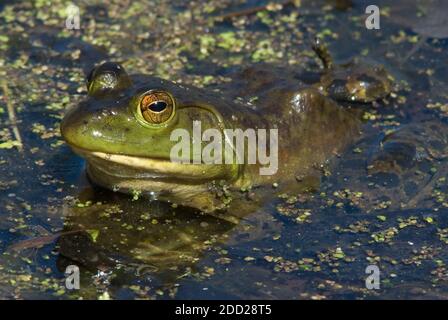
<point x="136" y="167"/>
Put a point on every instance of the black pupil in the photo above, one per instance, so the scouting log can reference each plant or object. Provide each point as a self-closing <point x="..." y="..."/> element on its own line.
<point x="157" y="106"/>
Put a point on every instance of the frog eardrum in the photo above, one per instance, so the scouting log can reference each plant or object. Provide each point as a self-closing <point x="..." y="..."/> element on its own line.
<point x="156" y="107"/>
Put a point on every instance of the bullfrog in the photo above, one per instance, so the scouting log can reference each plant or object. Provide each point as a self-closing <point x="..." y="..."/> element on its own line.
<point x="123" y="129"/>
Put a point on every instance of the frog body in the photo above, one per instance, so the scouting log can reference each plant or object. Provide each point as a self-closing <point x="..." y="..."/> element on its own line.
<point x="124" y="131"/>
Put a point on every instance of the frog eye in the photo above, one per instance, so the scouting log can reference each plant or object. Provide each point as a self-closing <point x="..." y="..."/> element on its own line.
<point x="107" y="78"/>
<point x="157" y="107"/>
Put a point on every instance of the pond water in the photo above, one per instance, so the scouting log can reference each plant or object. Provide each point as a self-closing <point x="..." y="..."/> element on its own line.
<point x="299" y="246"/>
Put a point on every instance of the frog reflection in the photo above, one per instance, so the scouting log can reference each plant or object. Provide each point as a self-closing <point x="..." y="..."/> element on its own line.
<point x="150" y="238"/>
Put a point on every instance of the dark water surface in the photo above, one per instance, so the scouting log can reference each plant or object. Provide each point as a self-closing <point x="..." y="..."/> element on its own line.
<point x="313" y="246"/>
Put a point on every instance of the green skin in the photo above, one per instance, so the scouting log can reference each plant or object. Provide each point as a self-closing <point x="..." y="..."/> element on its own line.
<point x="127" y="154"/>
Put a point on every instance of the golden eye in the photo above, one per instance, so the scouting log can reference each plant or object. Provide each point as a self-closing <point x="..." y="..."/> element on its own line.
<point x="157" y="107"/>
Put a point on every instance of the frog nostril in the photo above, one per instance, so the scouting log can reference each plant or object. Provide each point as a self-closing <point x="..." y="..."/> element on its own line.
<point x="157" y="106"/>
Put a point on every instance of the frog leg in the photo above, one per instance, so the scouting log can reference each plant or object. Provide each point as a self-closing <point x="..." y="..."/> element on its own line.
<point x="401" y="150"/>
<point x="393" y="155"/>
<point x="352" y="81"/>
<point x="416" y="156"/>
<point x="355" y="82"/>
